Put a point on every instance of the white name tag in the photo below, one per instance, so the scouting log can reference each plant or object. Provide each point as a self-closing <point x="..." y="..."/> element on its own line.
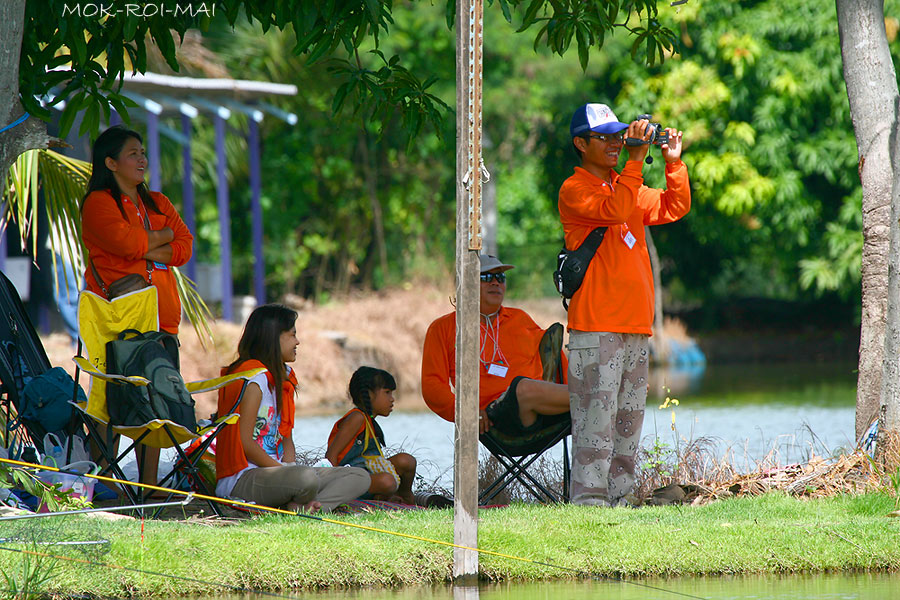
<point x="629" y="240"/>
<point x="498" y="370"/>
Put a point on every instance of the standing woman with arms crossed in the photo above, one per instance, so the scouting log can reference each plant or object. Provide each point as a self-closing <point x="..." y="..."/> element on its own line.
<point x="127" y="230"/>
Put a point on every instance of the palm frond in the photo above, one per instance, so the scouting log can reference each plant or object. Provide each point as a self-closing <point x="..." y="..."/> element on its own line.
<point x="20" y="197"/>
<point x="64" y="180"/>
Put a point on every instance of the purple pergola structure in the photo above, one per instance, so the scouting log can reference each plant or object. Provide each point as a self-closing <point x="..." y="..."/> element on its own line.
<point x="219" y="99"/>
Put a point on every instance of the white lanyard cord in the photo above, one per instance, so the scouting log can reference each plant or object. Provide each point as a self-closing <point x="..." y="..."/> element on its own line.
<point x="491" y="332"/>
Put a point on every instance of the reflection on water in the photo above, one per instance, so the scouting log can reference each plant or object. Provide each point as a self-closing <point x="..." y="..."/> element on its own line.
<point x="868" y="586"/>
<point x="745" y="411"/>
<point x="822" y="384"/>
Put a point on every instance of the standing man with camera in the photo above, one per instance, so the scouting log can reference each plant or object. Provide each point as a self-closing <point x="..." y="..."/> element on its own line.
<point x="610" y="315"/>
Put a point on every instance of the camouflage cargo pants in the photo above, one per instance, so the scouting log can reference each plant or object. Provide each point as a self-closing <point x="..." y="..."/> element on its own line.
<point x="607" y="395"/>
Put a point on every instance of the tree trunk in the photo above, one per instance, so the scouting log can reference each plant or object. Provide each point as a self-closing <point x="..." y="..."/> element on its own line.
<point x="872" y="91"/>
<point x="658" y="341"/>
<point x="370" y="168"/>
<point x="889" y="426"/>
<point x="32" y="133"/>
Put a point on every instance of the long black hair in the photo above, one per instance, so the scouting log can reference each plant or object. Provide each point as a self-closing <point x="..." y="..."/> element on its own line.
<point x="261" y="341"/>
<point x="109" y="144"/>
<point x="365" y="382"/>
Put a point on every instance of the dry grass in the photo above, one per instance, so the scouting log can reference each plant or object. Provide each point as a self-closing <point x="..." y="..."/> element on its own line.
<point x="698" y="475"/>
<point x="547" y="471"/>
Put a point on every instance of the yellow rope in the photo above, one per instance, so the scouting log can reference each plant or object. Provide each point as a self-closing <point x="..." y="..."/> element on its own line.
<point x="346" y="524"/>
<point x="271" y="509"/>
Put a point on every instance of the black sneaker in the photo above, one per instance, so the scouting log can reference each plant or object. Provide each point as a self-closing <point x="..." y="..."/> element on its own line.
<point x="504" y="414"/>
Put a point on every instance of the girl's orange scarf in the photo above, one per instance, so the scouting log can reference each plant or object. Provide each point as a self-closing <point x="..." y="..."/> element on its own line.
<point x="230" y="458"/>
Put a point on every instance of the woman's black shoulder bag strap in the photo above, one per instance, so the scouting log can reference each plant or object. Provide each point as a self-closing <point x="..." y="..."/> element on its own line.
<point x="571" y="265"/>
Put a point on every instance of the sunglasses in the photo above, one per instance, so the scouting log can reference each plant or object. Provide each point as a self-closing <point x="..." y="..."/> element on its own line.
<point x="608" y="137"/>
<point x="498" y="277"/>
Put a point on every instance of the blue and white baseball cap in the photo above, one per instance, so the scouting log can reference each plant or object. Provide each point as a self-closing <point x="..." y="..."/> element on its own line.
<point x="595" y="117"/>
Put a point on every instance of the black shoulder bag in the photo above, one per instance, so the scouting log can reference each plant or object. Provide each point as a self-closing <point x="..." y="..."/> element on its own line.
<point x="571" y="265"/>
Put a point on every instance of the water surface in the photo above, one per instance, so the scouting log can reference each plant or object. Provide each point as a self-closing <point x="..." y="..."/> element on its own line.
<point x="748" y="412"/>
<point x="868" y="586"/>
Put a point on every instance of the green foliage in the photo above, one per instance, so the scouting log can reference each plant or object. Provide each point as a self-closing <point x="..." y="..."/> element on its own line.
<point x="69" y="46"/>
<point x="78" y="53"/>
<point x="369" y="172"/>
<point x="52" y="496"/>
<point x="658" y="459"/>
<point x="560" y="21"/>
<point x="375" y="177"/>
<point x="389" y="89"/>
<point x="895" y="485"/>
<point x="769" y="145"/>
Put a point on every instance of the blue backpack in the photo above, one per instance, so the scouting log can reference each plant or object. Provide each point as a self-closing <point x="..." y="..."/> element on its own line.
<point x="46" y="400"/>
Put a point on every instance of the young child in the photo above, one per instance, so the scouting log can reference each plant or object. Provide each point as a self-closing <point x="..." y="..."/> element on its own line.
<point x="255" y="457"/>
<point x="357" y="434"/>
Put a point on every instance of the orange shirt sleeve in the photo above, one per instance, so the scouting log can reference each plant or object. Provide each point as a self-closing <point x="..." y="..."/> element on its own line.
<point x="103" y="226"/>
<point x="438" y="357"/>
<point x="183" y="243"/>
<point x="583" y="203"/>
<point x="670" y="204"/>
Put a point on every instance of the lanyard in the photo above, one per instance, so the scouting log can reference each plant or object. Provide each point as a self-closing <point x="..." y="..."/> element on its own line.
<point x="491" y="331"/>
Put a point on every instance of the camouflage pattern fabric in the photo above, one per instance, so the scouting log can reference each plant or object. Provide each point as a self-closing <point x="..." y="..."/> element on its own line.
<point x="607" y="395"/>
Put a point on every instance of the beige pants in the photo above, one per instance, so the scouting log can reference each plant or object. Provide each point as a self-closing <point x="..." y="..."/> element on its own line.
<point x="276" y="486"/>
<point x="607" y="395"/>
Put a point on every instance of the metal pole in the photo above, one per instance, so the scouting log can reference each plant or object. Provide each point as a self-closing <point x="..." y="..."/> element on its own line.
<point x="259" y="273"/>
<point x="468" y="244"/>
<point x="224" y="216"/>
<point x="153" y="149"/>
<point x="187" y="191"/>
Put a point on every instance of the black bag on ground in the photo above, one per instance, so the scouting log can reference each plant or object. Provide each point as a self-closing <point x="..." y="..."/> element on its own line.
<point x="153" y="355"/>
<point x="571" y="265"/>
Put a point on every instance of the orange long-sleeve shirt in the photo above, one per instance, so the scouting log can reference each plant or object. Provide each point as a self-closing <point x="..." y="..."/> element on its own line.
<point x="116" y="245"/>
<point x="519" y="337"/>
<point x="617" y="292"/>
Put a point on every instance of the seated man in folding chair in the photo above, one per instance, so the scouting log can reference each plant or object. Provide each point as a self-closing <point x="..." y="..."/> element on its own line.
<point x="522" y="371"/>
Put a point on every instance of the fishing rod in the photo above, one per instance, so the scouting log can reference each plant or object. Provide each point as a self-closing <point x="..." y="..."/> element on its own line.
<point x="84" y="511"/>
<point x="263" y="508"/>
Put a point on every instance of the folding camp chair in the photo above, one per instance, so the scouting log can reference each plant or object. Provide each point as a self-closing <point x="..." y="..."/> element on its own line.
<point x="22" y="358"/>
<point x="516" y="453"/>
<point x="101" y="321"/>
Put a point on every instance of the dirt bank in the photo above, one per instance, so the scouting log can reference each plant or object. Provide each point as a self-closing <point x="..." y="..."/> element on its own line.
<point x="384" y="329"/>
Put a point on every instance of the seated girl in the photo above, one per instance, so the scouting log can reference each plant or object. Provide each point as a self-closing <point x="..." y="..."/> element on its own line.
<point x="255" y="457"/>
<point x="357" y="436"/>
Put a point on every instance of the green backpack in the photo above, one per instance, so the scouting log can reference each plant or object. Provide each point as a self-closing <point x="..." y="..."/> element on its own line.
<point x="153" y="355"/>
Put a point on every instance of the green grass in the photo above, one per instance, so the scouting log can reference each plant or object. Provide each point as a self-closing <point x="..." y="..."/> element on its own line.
<point x="767" y="534"/>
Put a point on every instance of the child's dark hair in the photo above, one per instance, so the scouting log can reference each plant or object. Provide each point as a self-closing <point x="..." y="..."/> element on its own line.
<point x="365" y="382"/>
<point x="109" y="144"/>
<point x="261" y="340"/>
